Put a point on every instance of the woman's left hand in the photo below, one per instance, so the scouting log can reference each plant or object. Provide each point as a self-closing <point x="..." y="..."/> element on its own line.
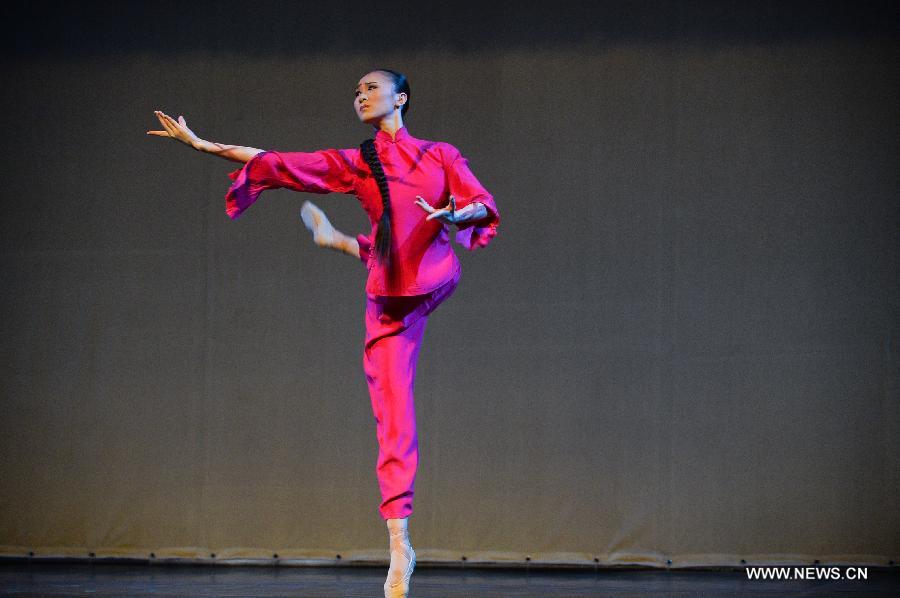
<point x="447" y="214"/>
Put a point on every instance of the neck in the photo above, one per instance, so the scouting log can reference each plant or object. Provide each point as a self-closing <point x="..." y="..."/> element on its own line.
<point x="391" y="124"/>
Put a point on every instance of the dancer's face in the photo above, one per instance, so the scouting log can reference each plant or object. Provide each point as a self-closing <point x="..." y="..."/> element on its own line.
<point x="374" y="98"/>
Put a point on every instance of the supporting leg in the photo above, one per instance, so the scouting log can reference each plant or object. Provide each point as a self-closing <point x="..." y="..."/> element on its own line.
<point x="395" y="327"/>
<point x="389" y="362"/>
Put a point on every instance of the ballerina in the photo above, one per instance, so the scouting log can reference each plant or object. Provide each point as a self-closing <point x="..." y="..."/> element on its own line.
<point x="412" y="191"/>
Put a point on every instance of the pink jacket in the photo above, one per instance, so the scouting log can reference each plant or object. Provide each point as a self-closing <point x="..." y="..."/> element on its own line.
<point x="433" y="169"/>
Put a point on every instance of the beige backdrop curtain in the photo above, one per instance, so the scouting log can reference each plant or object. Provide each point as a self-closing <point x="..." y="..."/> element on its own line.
<point x="681" y="347"/>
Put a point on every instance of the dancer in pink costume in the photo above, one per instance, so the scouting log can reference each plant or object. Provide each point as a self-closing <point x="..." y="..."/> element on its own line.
<point x="412" y="190"/>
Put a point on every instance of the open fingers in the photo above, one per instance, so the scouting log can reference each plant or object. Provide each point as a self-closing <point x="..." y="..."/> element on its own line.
<point x="168" y="128"/>
<point x="447" y="213"/>
<point x="423" y="204"/>
<point x="164" y="122"/>
<point x="171" y="124"/>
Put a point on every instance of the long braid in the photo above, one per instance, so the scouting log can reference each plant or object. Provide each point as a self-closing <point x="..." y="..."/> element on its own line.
<point x="383" y="237"/>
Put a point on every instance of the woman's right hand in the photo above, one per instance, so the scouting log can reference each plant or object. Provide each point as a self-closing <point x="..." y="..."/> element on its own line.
<point x="176" y="129"/>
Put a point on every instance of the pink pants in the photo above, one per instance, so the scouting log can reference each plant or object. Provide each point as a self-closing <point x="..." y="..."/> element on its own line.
<point x="394" y="330"/>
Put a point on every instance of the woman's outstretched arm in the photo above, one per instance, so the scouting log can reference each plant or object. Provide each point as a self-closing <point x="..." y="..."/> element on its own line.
<point x="178" y="130"/>
<point x="322" y="171"/>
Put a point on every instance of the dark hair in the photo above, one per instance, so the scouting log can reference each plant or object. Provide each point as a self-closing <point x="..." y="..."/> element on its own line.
<point x="383" y="236"/>
<point x="401" y="85"/>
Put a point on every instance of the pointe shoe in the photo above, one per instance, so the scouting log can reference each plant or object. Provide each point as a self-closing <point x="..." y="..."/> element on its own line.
<point x="400" y="588"/>
<point x="318" y="224"/>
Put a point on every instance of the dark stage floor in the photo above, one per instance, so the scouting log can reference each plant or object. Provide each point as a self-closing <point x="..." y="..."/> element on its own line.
<point x="82" y="579"/>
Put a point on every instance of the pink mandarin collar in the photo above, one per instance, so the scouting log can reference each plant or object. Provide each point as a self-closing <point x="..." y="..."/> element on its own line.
<point x="399" y="135"/>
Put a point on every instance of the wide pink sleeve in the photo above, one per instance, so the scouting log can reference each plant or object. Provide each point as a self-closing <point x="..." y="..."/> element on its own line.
<point x="466" y="189"/>
<point x="323" y="171"/>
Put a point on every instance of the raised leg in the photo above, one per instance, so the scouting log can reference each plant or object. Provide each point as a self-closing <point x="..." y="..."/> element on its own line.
<point x="324" y="234"/>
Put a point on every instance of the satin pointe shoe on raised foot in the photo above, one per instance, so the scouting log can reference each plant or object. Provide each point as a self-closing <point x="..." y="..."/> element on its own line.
<point x="397" y="584"/>
<point x="317" y="223"/>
